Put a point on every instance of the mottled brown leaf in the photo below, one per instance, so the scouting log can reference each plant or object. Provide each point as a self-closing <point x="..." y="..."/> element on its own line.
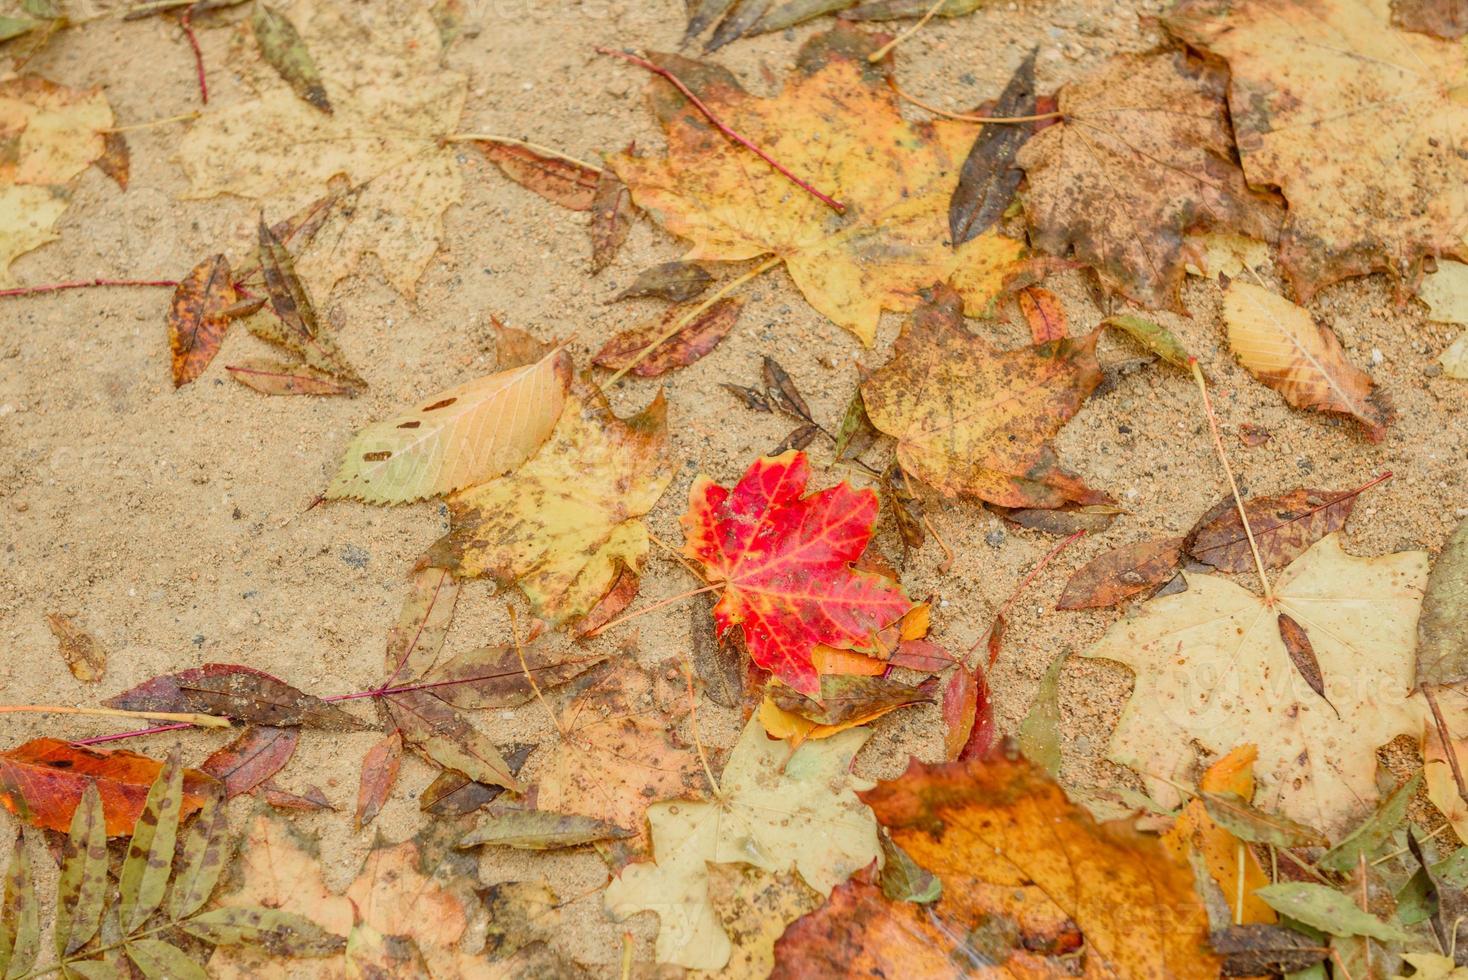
<point x="989" y="177"/>
<point x="295" y="325"/>
<point x="799" y="437"/>
<point x="676" y="282"/>
<point x="241" y="693"/>
<point x="1302" y="654"/>
<point x="781" y="392"/>
<point x="417" y="637"/>
<point x="196" y="320"/>
<point x="611" y="219"/>
<point x="379" y="773"/>
<point x="157" y="959"/>
<point x="718" y="664"/>
<point x="274" y="931"/>
<point x="1261" y="950"/>
<point x="453" y="794"/>
<point x="558" y="180"/>
<point x="278" y="378"/>
<point x="1284" y="526"/>
<point x="440" y="733"/>
<point x="1091" y="518"/>
<point x="1441" y="18"/>
<point x="540" y="830"/>
<point x="85" y="657"/>
<point x="206" y="850"/>
<point x="312" y="800"/>
<point x="846" y="697"/>
<point x="693" y="340"/>
<point x="1121" y="573"/>
<point x="259" y="753"/>
<point x="20" y="914"/>
<point x="494" y="677"/>
<point x="1249" y="823"/>
<point x="905" y="506"/>
<point x="116" y="159"/>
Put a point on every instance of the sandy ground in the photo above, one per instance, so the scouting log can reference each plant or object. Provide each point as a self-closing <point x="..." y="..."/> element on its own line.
<point x="173" y="523"/>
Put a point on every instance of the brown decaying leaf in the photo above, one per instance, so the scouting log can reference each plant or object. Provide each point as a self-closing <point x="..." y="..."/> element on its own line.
<point x="85" y="657"/>
<point x="285" y="50"/>
<point x="1441" y="18"/>
<point x="906" y="508"/>
<point x="560" y="181"/>
<point x="496" y="677"/>
<point x="1284" y="527"/>
<point x="611" y="219"/>
<point x="296" y="326"/>
<point x="719" y="665"/>
<point x="1283" y="346"/>
<point x="692" y="341"/>
<point x="311" y="801"/>
<point x="116" y="159"/>
<point x="278" y="378"/>
<point x="1253" y="435"/>
<point x="414" y="642"/>
<point x="453" y="794"/>
<point x="844" y="698"/>
<point x="676" y="282"/>
<point x="1302" y="655"/>
<point x="800" y="437"/>
<point x="989" y="177"/>
<point x="1264" y="950"/>
<point x="379" y="773"/>
<point x="1091" y="518"/>
<point x="754" y="907"/>
<point x="441" y="734"/>
<point x="196" y="320"/>
<point x="1141" y="158"/>
<point x="241" y="693"/>
<point x="1442" y="629"/>
<point x="42" y="782"/>
<point x="753" y="398"/>
<point x="1042" y="311"/>
<point x="257" y="754"/>
<point x="624" y="589"/>
<point x="1121" y="573"/>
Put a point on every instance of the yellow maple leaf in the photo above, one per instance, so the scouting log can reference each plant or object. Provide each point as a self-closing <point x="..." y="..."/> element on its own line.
<point x="836" y="125"/>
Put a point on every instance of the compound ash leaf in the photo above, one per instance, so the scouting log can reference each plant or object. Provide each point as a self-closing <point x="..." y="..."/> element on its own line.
<point x="1211" y="668"/>
<point x="198" y="317"/>
<point x="392" y="101"/>
<point x="999" y="823"/>
<point x="42" y="783"/>
<point x="776" y="811"/>
<point x="52" y="133"/>
<point x="143" y="879"/>
<point x="81" y="890"/>
<point x="975" y="421"/>
<point x="20" y="914"/>
<point x="458" y="438"/>
<point x="1116" y="575"/>
<point x="259" y="753"/>
<point x="242" y="693"/>
<point x="1354" y="120"/>
<point x="1284" y="527"/>
<point x="1283" y="346"/>
<point x="785" y="562"/>
<point x="697" y="338"/>
<point x="568" y="522"/>
<point x="838" y="126"/>
<point x="1141" y="158"/>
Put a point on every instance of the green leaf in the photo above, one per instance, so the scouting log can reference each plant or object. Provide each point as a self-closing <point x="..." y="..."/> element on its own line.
<point x="903" y="879"/>
<point x="81" y="891"/>
<point x="92" y="970"/>
<point x="20" y="916"/>
<point x="286" y="51"/>
<point x="1153" y="336"/>
<point x="44" y="9"/>
<point x="540" y="830"/>
<point x="1247" y="822"/>
<point x="1039" y="732"/>
<point x="205" y="851"/>
<point x="276" y="931"/>
<point x="149" y="860"/>
<point x="797" y="12"/>
<point x="1366" y="839"/>
<point x="1327" y="910"/>
<point x="16" y="26"/>
<point x="857" y="433"/>
<point x="158" y="960"/>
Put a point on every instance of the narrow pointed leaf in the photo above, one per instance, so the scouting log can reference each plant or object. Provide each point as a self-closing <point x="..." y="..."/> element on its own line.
<point x="702" y="14"/>
<point x="1442" y="629"/>
<point x="242" y="693"/>
<point x="445" y="736"/>
<point x="277" y="378"/>
<point x="295" y="326"/>
<point x="81" y="890"/>
<point x="903" y="9"/>
<point x="560" y="181"/>
<point x="1302" y="654"/>
<point x="1249" y="823"/>
<point x="20" y="916"/>
<point x="737" y="22"/>
<point x="1153" y="336"/>
<point x="252" y="758"/>
<point x="1377" y="829"/>
<point x="453" y="794"/>
<point x="379" y="773"/>
<point x="782" y="393"/>
<point x="1039" y="732"/>
<point x="856" y="433"/>
<point x="95" y="970"/>
<point x="160" y="960"/>
<point x="676" y="282"/>
<point x="611" y="219"/>
<point x="989" y="177"/>
<point x="719" y="664"/>
<point x="1328" y="910"/>
<point x="196" y="318"/>
<point x="696" y="338"/>
<point x="309" y="801"/>
<point x="149" y="861"/>
<point x="423" y="622"/>
<point x="540" y="830"/>
<point x="285" y="51"/>
<point x="493" y="677"/>
<point x="206" y="850"/>
<point x="794" y="12"/>
<point x="273" y="931"/>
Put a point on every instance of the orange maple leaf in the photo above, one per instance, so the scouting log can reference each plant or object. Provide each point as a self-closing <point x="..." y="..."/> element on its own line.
<point x="786" y="565"/>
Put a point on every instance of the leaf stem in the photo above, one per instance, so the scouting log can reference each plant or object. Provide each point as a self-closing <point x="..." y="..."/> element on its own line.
<point x="185" y="21"/>
<point x="510" y="141"/>
<point x="165" y="121"/>
<point x="191" y="718"/>
<point x="721" y="126"/>
<point x="84" y="284"/>
<point x="1232" y="484"/>
<point x="119" y="736"/>
<point x="693" y="314"/>
<point x="1024" y="583"/>
<point x="886" y="49"/>
<point x="963" y="117"/>
<point x="655" y="606"/>
<point x="693" y="725"/>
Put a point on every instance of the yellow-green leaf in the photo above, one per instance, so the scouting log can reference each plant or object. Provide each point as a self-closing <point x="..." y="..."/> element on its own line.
<point x="149" y="860"/>
<point x="82" y="888"/>
<point x="20" y="916"/>
<point x="276" y="931"/>
<point x="159" y="960"/>
<point x="206" y="849"/>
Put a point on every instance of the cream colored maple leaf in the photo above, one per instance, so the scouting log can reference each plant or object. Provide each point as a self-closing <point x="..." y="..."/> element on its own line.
<point x="1357" y="122"/>
<point x="1211" y="669"/>
<point x="566" y="524"/>
<point x="392" y="102"/>
<point x="1445" y="292"/>
<point x="51" y="134"/>
<point x="776" y="810"/>
<point x="838" y="126"/>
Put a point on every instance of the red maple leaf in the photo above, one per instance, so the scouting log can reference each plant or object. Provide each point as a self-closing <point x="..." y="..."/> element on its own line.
<point x="786" y="564"/>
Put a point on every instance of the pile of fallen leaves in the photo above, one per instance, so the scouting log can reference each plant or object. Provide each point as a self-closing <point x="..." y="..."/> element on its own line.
<point x="1272" y="147"/>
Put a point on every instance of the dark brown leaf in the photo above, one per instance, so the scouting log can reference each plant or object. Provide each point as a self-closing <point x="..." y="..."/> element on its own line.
<point x="737" y="23"/>
<point x="278" y="378"/>
<point x="84" y="656"/>
<point x="720" y="666"/>
<point x="494" y="677"/>
<point x="905" y="506"/>
<point x="196" y="319"/>
<point x="1262" y="950"/>
<point x="259" y="753"/>
<point x="116" y="160"/>
<point x="1441" y="18"/>
<point x="702" y="14"/>
<point x="1302" y="655"/>
<point x="1092" y="518"/>
<point x="241" y="693"/>
<point x="989" y="177"/>
<point x="379" y="773"/>
<point x="558" y="180"/>
<point x="692" y="341"/>
<point x="676" y="282"/>
<point x="611" y="218"/>
<point x="848" y="696"/>
<point x="799" y="437"/>
<point x="296" y="326"/>
<point x="751" y="397"/>
<point x="1284" y="527"/>
<point x="453" y="794"/>
<point x="1121" y="573"/>
<point x="781" y="392"/>
<point x="312" y="800"/>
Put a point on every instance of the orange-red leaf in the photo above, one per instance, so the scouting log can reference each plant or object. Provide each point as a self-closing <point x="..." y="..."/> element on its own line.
<point x="197" y="320"/>
<point x="1043" y="312"/>
<point x="786" y="564"/>
<point x="42" y="782"/>
<point x="558" y="180"/>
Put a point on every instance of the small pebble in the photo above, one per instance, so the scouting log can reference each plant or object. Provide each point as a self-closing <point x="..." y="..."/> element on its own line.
<point x="995" y="538"/>
<point x="354" y="556"/>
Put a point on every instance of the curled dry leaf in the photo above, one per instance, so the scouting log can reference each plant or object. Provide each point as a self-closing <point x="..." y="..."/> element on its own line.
<point x="54" y="133"/>
<point x="1353" y="120"/>
<point x="558" y="180"/>
<point x="1442" y="632"/>
<point x="42" y="783"/>
<point x="1284" y="527"/>
<point x="1211" y="668"/>
<point x="975" y="421"/>
<point x="85" y="657"/>
<point x="785" y="562"/>
<point x="699" y="336"/>
<point x="251" y="759"/>
<point x="839" y="127"/>
<point x="1142" y="157"/>
<point x="241" y="693"/>
<point x="567" y="523"/>
<point x="392" y="100"/>
<point x="1283" y="346"/>
<point x="1116" y="575"/>
<point x="989" y="177"/>
<point x="776" y="811"/>
<point x="278" y="378"/>
<point x="458" y="438"/>
<point x="198" y="317"/>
